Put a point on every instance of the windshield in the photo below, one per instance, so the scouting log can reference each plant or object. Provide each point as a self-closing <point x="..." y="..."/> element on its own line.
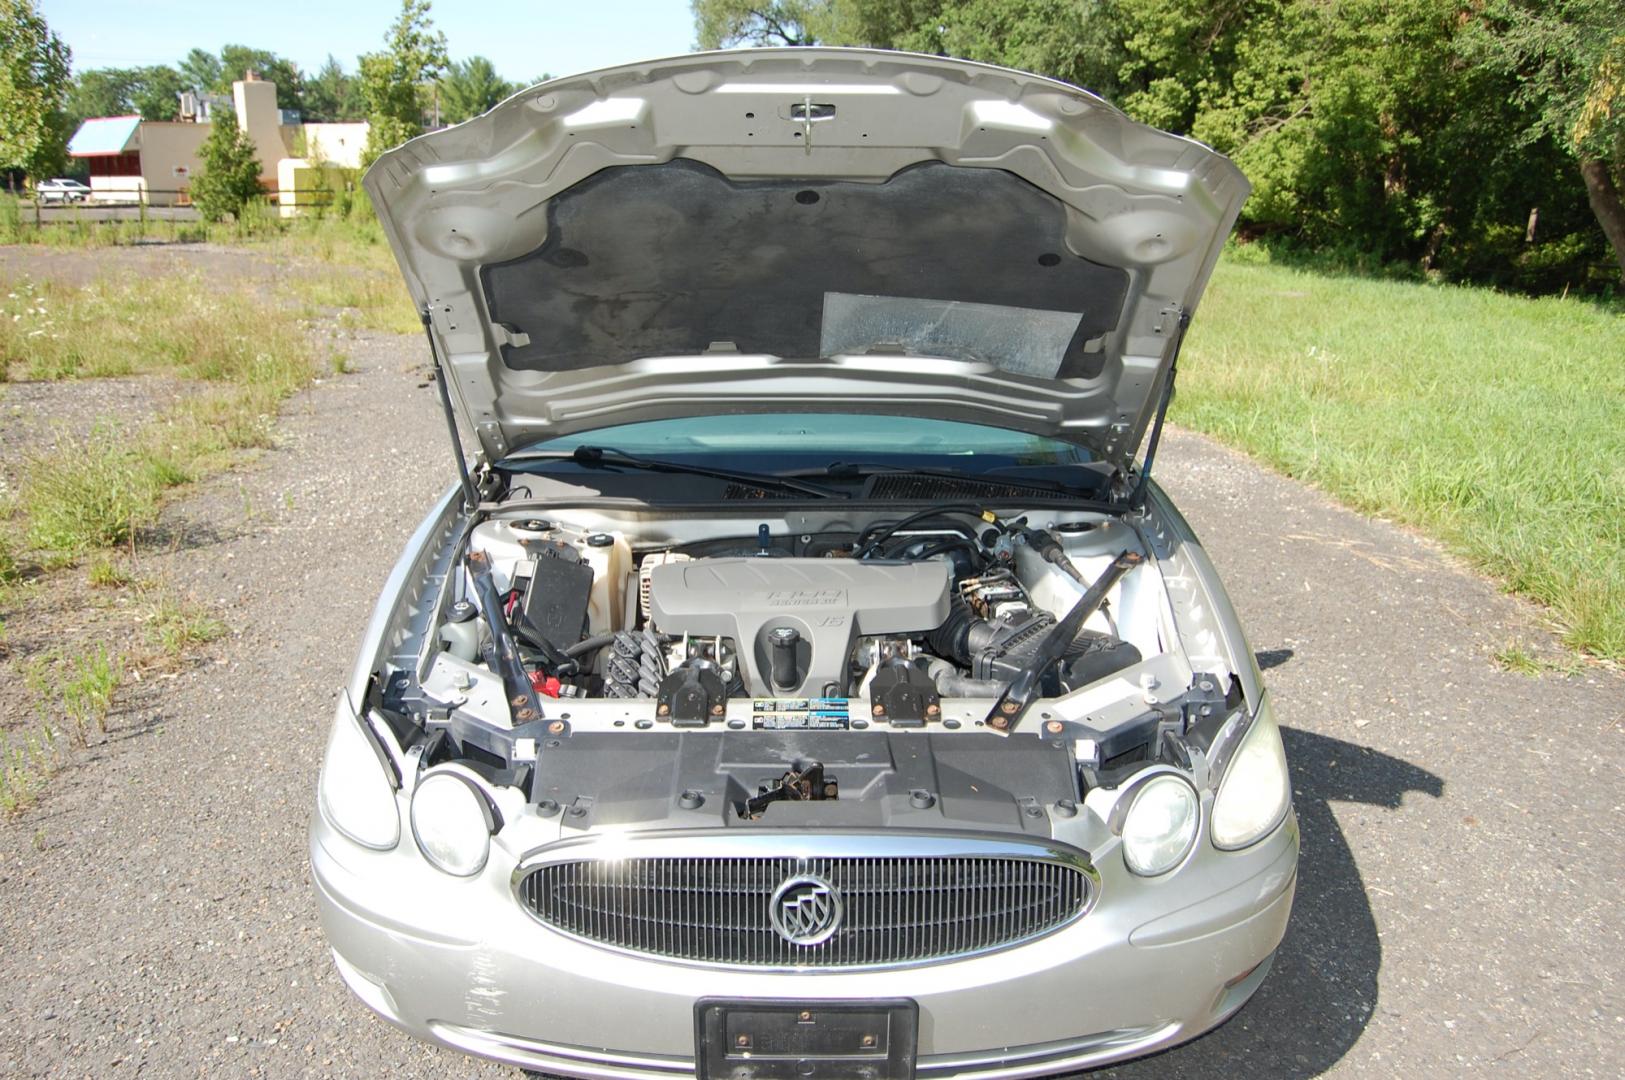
<point x="786" y="440"/>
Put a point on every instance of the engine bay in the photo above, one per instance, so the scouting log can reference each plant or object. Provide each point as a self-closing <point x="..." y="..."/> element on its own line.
<point x="805" y="648"/>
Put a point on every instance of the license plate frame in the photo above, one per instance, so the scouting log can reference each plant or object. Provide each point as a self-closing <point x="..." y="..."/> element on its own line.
<point x="778" y="1039"/>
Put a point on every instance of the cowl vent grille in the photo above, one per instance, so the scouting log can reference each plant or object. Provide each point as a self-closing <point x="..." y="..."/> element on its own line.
<point x="736" y="490"/>
<point x="942" y="487"/>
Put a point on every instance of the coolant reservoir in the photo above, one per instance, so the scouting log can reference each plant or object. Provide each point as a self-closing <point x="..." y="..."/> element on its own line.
<point x="462" y="632"/>
<point x="512" y="545"/>
<point x="610" y="557"/>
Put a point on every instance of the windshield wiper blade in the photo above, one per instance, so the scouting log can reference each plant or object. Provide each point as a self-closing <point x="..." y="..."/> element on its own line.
<point x="606" y="457"/>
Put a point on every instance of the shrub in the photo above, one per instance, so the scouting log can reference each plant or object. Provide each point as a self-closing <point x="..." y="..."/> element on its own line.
<point x="85" y="494"/>
<point x="230" y="177"/>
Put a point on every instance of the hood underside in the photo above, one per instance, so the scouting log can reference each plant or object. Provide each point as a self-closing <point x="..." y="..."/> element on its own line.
<point x="806" y="230"/>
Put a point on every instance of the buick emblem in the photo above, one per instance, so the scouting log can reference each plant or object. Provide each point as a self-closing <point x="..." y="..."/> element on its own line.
<point x="805" y="909"/>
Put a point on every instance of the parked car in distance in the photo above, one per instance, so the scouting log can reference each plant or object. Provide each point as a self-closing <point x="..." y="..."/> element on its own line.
<point x="61" y="190"/>
<point x="805" y="677"/>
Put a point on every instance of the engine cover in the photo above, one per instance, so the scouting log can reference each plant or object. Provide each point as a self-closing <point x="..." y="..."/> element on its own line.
<point x="828" y="602"/>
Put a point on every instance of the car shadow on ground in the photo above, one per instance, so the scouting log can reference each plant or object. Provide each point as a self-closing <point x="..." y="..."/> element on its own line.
<point x="1323" y="989"/>
<point x="1272" y="658"/>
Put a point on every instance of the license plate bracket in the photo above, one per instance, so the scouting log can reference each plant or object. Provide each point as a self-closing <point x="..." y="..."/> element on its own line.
<point x="743" y="1039"/>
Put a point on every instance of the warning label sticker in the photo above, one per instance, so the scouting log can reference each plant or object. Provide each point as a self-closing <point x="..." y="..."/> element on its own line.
<point x="800" y="714"/>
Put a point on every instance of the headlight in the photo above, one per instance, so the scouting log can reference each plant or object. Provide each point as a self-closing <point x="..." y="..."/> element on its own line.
<point x="1160" y="825"/>
<point x="355" y="792"/>
<point x="1255" y="792"/>
<point x="452" y="823"/>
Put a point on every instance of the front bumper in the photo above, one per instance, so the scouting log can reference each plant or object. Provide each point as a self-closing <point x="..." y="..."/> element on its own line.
<point x="460" y="963"/>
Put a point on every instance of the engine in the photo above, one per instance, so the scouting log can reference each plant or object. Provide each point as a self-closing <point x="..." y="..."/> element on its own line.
<point x="809" y="655"/>
<point x="823" y="623"/>
<point x="793" y="623"/>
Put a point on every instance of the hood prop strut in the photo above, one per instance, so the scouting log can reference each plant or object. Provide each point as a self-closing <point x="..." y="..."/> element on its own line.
<point x="523" y="704"/>
<point x="471" y="498"/>
<point x="1136" y="499"/>
<point x="1026" y="687"/>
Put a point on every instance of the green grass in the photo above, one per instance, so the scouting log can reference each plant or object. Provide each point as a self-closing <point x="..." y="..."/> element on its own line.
<point x="86" y="493"/>
<point x="238" y="355"/>
<point x="72" y="230"/>
<point x="177" y="625"/>
<point x="25" y="766"/>
<point x="104" y="573"/>
<point x="126" y="325"/>
<point x="80" y="693"/>
<point x="369" y="299"/>
<point x="348" y="232"/>
<point x="87" y="692"/>
<point x="1517" y="659"/>
<point x="1495" y="423"/>
<point x="357" y="272"/>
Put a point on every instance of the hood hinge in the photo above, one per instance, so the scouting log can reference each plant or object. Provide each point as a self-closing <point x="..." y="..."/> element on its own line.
<point x="471" y="498"/>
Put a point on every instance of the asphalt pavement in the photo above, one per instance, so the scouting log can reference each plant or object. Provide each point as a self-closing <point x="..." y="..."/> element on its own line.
<point x="1459" y="904"/>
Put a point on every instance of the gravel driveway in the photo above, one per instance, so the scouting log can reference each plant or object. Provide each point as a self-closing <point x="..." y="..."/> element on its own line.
<point x="1459" y="908"/>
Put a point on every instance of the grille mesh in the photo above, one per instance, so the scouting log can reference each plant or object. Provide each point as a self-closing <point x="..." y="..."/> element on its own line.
<point x="898" y="909"/>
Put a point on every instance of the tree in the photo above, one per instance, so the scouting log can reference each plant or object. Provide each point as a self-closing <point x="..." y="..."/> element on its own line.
<point x="1075" y="40"/>
<point x="237" y="60"/>
<point x="1565" y="60"/>
<point x="1079" y="41"/>
<point x="470" y="88"/>
<point x="1598" y="142"/>
<point x="209" y="73"/>
<point x="393" y="80"/>
<point x="722" y="24"/>
<point x="331" y="95"/>
<point x="100" y="92"/>
<point x="201" y="70"/>
<point x="153" y="92"/>
<point x="157" y="92"/>
<point x="230" y="176"/>
<point x="1433" y="133"/>
<point x="33" y="91"/>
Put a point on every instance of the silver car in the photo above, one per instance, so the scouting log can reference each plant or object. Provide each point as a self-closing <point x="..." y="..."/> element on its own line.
<point x="804" y="676"/>
<point x="62" y="191"/>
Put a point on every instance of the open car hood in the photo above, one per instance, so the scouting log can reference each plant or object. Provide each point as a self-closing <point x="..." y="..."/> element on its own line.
<point x="804" y="230"/>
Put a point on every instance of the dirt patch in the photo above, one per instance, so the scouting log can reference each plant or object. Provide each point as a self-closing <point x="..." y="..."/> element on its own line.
<point x="81" y="266"/>
<point x="37" y="415"/>
<point x="83" y="634"/>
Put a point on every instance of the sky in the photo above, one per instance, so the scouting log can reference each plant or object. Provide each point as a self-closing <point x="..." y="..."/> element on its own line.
<point x="523" y="38"/>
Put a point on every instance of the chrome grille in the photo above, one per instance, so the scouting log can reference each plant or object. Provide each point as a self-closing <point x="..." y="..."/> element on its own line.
<point x="896" y="909"/>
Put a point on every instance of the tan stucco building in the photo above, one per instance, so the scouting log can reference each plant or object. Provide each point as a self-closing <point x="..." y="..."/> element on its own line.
<point x="153" y="161"/>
